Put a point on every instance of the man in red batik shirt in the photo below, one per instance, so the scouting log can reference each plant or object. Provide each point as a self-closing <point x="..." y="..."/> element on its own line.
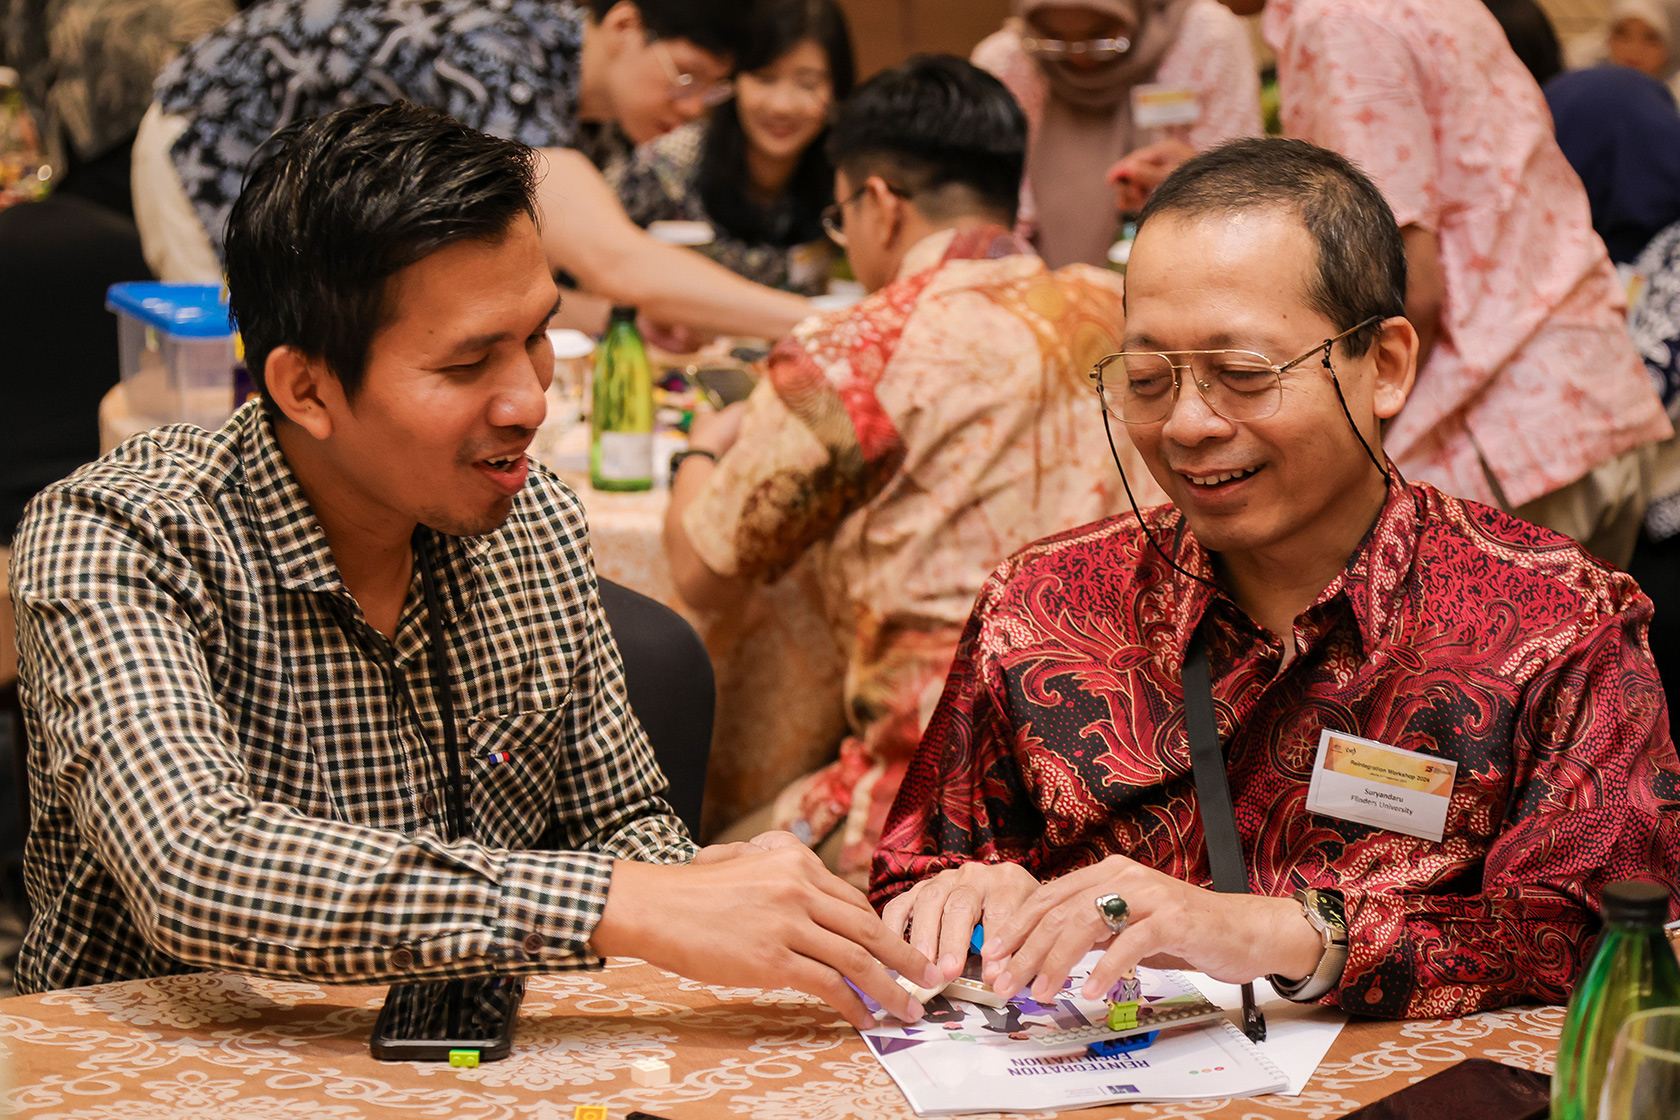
<point x="1433" y="638"/>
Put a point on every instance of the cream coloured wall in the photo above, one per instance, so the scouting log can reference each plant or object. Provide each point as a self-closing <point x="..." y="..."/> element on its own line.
<point x="1571" y="17"/>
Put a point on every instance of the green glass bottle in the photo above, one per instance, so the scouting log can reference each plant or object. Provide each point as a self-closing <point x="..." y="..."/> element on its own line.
<point x="1632" y="970"/>
<point x="621" y="413"/>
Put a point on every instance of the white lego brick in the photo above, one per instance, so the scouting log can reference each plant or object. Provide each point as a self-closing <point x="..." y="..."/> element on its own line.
<point x="973" y="991"/>
<point x="650" y="1072"/>
<point x="922" y="994"/>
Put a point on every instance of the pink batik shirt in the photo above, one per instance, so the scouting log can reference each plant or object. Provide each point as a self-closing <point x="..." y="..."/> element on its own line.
<point x="1532" y="373"/>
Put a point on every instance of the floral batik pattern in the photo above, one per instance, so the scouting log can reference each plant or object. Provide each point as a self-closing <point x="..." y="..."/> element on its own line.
<point x="506" y="67"/>
<point x="1532" y="382"/>
<point x="913" y="442"/>
<point x="1655" y="326"/>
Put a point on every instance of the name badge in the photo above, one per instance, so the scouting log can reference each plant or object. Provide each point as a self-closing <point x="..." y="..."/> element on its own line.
<point x="1373" y="783"/>
<point x="1157" y="106"/>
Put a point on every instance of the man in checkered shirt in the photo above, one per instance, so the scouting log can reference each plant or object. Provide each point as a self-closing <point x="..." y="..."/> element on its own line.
<point x="328" y="693"/>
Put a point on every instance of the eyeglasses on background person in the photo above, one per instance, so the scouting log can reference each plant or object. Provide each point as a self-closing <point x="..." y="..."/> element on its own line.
<point x="833" y="217"/>
<point x="1079" y="50"/>
<point x="1237" y="385"/>
<point x="684" y="85"/>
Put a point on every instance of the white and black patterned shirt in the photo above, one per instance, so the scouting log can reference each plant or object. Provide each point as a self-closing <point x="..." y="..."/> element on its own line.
<point x="232" y="769"/>
<point x="506" y="67"/>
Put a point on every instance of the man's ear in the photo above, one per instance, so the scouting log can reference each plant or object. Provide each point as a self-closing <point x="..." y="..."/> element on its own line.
<point x="305" y="390"/>
<point x="1394" y="357"/>
<point x="892" y="210"/>
<point x="622" y="21"/>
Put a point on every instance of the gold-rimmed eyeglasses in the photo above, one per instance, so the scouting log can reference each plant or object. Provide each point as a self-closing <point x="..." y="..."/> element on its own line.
<point x="1238" y="385"/>
<point x="1076" y="50"/>
<point x="833" y="218"/>
<point x="684" y="86"/>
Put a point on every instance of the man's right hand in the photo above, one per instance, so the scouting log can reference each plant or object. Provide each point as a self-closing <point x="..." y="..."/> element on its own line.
<point x="943" y="910"/>
<point x="761" y="919"/>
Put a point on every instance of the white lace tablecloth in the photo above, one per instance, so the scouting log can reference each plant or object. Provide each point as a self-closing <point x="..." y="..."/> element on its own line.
<point x="215" y="1046"/>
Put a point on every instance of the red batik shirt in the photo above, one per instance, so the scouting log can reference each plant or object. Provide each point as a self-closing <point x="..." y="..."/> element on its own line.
<point x="1454" y="630"/>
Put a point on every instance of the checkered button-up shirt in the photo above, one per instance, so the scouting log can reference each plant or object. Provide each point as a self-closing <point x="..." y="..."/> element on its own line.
<point x="231" y="768"/>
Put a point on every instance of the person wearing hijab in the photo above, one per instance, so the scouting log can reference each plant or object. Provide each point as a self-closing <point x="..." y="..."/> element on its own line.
<point x="1094" y="78"/>
<point x="1620" y="131"/>
<point x="1643" y="34"/>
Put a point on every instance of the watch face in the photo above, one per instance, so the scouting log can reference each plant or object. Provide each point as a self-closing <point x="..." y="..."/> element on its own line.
<point x="1327" y="906"/>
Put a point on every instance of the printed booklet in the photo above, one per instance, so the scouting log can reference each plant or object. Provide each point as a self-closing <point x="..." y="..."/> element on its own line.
<point x="963" y="1057"/>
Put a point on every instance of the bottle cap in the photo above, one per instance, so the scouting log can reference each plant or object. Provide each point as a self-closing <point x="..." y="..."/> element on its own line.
<point x="1636" y="902"/>
<point x="623" y="314"/>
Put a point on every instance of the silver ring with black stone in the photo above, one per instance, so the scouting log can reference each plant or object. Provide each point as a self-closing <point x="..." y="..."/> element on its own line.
<point x="1114" y="912"/>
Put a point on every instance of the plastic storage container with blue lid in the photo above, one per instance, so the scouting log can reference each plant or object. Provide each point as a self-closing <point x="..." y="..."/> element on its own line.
<point x="177" y="350"/>
<point x="184" y="310"/>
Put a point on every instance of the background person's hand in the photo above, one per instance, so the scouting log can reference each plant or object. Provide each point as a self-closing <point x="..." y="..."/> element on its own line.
<point x="1135" y="177"/>
<point x="941" y="912"/>
<point x="1231" y="937"/>
<point x="673" y="338"/>
<point x="761" y="919"/>
<point x="716" y="431"/>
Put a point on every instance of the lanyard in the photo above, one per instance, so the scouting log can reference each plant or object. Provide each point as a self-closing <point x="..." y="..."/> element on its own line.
<point x="1213" y="797"/>
<point x="457" y="801"/>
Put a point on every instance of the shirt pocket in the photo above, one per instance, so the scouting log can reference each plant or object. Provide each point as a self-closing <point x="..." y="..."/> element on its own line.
<point x="514" y="764"/>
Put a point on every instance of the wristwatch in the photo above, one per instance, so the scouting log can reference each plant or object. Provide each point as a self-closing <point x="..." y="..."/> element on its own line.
<point x="689" y="452"/>
<point x="1323" y="910"/>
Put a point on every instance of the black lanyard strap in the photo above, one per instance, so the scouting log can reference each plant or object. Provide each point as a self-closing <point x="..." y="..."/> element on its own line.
<point x="441" y="686"/>
<point x="1213" y="795"/>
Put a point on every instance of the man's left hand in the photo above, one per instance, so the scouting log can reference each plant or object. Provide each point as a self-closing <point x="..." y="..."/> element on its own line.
<point x="716" y="431"/>
<point x="1231" y="937"/>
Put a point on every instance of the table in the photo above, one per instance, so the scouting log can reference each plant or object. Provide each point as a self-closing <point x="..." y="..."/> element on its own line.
<point x="779" y="672"/>
<point x="217" y="1045"/>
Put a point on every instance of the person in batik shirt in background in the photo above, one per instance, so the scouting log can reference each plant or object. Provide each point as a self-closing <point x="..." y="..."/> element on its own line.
<point x="916" y="439"/>
<point x="1332" y="596"/>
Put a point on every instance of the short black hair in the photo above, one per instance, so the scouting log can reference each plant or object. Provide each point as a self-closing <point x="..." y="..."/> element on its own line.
<point x="935" y="122"/>
<point x="722" y="27"/>
<point x="778" y="27"/>
<point x="1361" y="258"/>
<point x="335" y="206"/>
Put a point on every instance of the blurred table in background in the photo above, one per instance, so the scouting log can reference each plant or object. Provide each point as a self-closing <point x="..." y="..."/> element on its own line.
<point x="779" y="671"/>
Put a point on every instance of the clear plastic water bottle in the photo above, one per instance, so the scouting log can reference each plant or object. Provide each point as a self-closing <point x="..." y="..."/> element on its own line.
<point x="1633" y="969"/>
<point x="621" y="412"/>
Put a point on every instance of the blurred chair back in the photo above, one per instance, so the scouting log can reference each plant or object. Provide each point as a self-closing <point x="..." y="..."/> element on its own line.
<point x="669" y="678"/>
<point x="60" y="353"/>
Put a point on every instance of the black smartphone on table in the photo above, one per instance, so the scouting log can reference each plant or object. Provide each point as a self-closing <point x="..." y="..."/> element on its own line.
<point x="425" y="1020"/>
<point x="1474" y="1089"/>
